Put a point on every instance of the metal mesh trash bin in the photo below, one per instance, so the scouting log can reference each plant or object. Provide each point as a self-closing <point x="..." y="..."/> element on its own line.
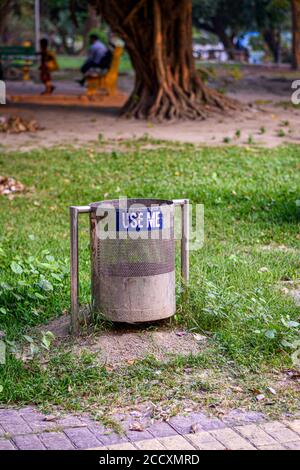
<point x="132" y="259"/>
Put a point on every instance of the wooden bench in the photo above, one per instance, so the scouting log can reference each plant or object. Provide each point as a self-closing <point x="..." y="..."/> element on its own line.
<point x="18" y="56"/>
<point x="107" y="82"/>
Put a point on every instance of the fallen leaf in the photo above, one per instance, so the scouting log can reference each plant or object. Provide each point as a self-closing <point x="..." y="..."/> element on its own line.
<point x="136" y="427"/>
<point x="199" y="337"/>
<point x="260" y="397"/>
<point x="50" y="418"/>
<point x="195" y="428"/>
<point x="264" y="269"/>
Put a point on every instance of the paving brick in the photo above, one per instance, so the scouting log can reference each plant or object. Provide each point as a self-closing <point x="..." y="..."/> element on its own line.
<point x="204" y="441"/>
<point x="109" y="437"/>
<point x="293" y="445"/>
<point x="27" y="409"/>
<point x="176" y="443"/>
<point x="122" y="446"/>
<point x="6" y="445"/>
<point x="2" y="432"/>
<point x="255" y="434"/>
<point x="162" y="429"/>
<point x="138" y="435"/>
<point x="82" y="438"/>
<point x="56" y="441"/>
<point x="272" y="447"/>
<point x="17" y="429"/>
<point x="239" y="417"/>
<point x="69" y="422"/>
<point x="150" y="444"/>
<point x="280" y="432"/>
<point x="294" y="425"/>
<point x="28" y="442"/>
<point x="11" y="417"/>
<point x="37" y="422"/>
<point x="231" y="440"/>
<point x="181" y="424"/>
<point x="207" y="423"/>
<point x="98" y="448"/>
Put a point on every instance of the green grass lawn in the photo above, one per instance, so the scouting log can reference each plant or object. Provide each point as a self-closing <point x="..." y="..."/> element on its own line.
<point x="67" y="62"/>
<point x="251" y="198"/>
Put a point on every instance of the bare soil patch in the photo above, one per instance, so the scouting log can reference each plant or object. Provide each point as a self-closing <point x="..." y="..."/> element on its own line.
<point x="126" y="343"/>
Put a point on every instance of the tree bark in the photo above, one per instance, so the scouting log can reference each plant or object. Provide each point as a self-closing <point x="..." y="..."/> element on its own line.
<point x="296" y="33"/>
<point x="158" y="37"/>
<point x="226" y="40"/>
<point x="272" y="38"/>
<point x="92" y="21"/>
<point x="5" y="9"/>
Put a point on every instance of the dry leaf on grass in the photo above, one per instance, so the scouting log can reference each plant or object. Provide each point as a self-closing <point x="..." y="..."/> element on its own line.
<point x="9" y="186"/>
<point x="16" y="125"/>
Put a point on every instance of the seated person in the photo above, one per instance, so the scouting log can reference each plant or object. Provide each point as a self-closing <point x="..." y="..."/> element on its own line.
<point x="99" y="56"/>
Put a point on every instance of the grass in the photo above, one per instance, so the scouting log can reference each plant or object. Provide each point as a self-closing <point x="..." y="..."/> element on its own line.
<point x="67" y="62"/>
<point x="250" y="197"/>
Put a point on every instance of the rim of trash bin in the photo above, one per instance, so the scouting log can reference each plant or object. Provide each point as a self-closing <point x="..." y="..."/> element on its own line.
<point x="145" y="202"/>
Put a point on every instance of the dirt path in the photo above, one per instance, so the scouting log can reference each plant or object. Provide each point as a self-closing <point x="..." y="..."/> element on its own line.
<point x="269" y="119"/>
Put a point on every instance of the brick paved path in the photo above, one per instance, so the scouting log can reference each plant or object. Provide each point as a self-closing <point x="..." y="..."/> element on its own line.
<point x="27" y="428"/>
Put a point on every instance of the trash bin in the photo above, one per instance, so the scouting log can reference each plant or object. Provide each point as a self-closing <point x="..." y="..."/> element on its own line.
<point x="132" y="259"/>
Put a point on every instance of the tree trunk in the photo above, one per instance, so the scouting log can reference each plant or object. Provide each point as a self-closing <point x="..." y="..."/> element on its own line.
<point x="272" y="38"/>
<point x="296" y="33"/>
<point x="158" y="37"/>
<point x="5" y="9"/>
<point x="226" y="40"/>
<point x="92" y="22"/>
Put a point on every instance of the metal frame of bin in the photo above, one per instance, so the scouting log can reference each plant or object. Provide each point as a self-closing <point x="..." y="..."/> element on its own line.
<point x="74" y="264"/>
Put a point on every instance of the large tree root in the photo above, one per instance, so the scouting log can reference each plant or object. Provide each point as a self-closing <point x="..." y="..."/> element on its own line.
<point x="176" y="104"/>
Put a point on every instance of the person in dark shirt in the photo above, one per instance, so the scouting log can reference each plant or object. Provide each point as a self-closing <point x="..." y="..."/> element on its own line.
<point x="99" y="56"/>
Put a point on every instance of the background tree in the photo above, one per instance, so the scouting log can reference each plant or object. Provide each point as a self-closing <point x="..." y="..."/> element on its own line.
<point x="295" y="4"/>
<point x="271" y="18"/>
<point x="67" y="20"/>
<point x="158" y="37"/>
<point x="226" y="19"/>
<point x="6" y="7"/>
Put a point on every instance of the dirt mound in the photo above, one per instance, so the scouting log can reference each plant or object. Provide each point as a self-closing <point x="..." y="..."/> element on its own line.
<point x="127" y="343"/>
<point x="116" y="347"/>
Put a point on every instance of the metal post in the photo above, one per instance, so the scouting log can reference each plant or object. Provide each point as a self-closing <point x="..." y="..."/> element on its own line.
<point x="74" y="211"/>
<point x="37" y="16"/>
<point x="185" y="239"/>
<point x="185" y="243"/>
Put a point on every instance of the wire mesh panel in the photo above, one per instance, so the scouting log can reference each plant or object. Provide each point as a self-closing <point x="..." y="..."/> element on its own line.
<point x="140" y="241"/>
<point x="133" y="259"/>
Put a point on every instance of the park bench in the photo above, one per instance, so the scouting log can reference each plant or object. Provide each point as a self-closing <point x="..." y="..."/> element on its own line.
<point x="18" y="57"/>
<point x="96" y="82"/>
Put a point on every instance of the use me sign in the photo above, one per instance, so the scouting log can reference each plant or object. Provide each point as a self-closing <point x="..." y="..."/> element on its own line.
<point x="140" y="220"/>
